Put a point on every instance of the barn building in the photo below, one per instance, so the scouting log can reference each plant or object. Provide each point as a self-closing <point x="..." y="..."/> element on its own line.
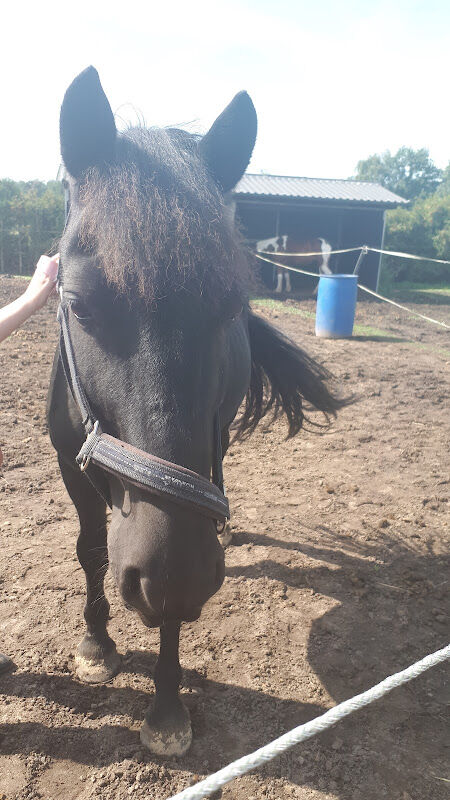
<point x="345" y="213"/>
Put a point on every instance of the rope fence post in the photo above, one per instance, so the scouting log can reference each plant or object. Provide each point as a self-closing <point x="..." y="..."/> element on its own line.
<point x="362" y="255"/>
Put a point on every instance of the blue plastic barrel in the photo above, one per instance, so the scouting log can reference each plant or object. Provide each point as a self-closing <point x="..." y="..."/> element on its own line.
<point x="336" y="303"/>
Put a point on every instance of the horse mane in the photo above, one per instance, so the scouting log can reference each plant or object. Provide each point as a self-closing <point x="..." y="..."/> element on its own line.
<point x="157" y="222"/>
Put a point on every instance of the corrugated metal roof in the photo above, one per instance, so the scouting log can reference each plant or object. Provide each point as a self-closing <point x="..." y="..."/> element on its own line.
<point x="287" y="186"/>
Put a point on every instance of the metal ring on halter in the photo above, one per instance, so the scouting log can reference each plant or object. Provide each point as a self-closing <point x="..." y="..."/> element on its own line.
<point x="84" y="456"/>
<point x="85" y="463"/>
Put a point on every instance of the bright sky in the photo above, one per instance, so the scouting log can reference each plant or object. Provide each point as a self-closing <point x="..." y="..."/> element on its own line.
<point x="332" y="82"/>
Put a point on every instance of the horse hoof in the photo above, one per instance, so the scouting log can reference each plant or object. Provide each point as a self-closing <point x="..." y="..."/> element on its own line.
<point x="226" y="537"/>
<point x="173" y="739"/>
<point x="97" y="668"/>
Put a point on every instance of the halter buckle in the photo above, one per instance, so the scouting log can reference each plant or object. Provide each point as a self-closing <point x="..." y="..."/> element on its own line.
<point x="85" y="454"/>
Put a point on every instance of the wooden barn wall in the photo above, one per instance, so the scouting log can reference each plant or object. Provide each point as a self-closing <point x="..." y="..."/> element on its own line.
<point x="341" y="226"/>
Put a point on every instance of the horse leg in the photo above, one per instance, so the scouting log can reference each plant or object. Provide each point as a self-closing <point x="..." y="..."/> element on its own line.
<point x="166" y="730"/>
<point x="96" y="660"/>
<point x="288" y="281"/>
<point x="279" y="287"/>
<point x="324" y="266"/>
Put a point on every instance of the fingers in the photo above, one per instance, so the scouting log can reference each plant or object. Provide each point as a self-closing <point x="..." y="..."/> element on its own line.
<point x="48" y="267"/>
<point x="43" y="282"/>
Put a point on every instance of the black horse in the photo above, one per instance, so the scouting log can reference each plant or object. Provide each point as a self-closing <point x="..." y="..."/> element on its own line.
<point x="156" y="280"/>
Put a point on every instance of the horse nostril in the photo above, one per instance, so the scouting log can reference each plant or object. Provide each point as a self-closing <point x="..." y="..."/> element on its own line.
<point x="130" y="584"/>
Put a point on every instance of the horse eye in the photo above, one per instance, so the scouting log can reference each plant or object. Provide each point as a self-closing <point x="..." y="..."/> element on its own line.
<point x="80" y="310"/>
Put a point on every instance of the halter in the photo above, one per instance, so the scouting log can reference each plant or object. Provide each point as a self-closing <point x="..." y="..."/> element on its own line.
<point x="148" y="472"/>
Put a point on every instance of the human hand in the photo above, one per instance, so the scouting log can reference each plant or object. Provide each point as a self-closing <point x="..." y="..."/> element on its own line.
<point x="43" y="282"/>
<point x="41" y="286"/>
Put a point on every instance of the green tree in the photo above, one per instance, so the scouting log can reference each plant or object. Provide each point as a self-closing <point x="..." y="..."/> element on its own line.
<point x="423" y="229"/>
<point x="409" y="173"/>
<point x="31" y="221"/>
<point x="8" y="193"/>
<point x="444" y="186"/>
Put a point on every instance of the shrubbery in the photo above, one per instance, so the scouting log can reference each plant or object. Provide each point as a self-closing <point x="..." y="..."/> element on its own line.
<point x="31" y="221"/>
<point x="423" y="228"/>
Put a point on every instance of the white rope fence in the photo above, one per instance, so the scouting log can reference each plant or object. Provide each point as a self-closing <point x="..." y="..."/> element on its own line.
<point x="306" y="255"/>
<point x="354" y="250"/>
<point x="404" y="308"/>
<point x="243" y="765"/>
<point x="360" y="285"/>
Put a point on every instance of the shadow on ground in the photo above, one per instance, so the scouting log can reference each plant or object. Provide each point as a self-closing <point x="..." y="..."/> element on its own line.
<point x="388" y="616"/>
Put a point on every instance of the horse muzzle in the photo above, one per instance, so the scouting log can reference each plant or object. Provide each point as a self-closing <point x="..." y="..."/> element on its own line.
<point x="162" y="593"/>
<point x="155" y="609"/>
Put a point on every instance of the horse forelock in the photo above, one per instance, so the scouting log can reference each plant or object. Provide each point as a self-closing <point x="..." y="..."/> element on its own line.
<point x="157" y="222"/>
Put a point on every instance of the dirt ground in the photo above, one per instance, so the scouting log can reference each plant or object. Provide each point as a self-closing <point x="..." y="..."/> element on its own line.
<point x="337" y="578"/>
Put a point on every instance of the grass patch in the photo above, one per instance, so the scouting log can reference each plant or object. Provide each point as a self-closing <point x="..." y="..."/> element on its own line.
<point x="443" y="290"/>
<point x="375" y="333"/>
<point x="411" y="286"/>
<point x="416" y="292"/>
<point x="277" y="305"/>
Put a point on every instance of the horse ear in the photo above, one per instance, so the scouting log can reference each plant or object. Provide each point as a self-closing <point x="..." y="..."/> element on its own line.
<point x="86" y="124"/>
<point x="229" y="143"/>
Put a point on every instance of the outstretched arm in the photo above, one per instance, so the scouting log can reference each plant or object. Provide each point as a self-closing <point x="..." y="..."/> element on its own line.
<point x="41" y="286"/>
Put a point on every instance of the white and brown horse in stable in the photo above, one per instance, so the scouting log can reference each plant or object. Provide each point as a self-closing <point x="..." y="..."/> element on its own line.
<point x="292" y="244"/>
